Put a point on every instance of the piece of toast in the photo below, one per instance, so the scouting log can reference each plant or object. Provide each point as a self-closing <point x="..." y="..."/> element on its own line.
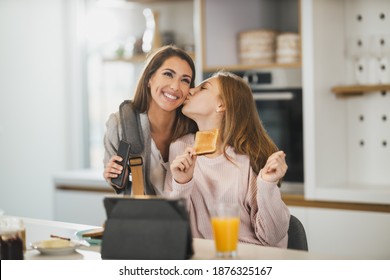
<point x="94" y="233"/>
<point x="206" y="141"/>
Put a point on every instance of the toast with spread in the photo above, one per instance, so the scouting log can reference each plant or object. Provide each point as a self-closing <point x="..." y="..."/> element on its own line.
<point x="206" y="141"/>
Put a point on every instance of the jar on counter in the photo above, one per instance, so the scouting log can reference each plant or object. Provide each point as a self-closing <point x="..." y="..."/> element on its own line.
<point x="12" y="238"/>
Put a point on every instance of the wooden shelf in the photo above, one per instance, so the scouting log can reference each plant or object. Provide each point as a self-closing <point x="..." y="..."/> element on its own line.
<point x="244" y="67"/>
<point x="353" y="90"/>
<point x="138" y="58"/>
<point x="154" y="1"/>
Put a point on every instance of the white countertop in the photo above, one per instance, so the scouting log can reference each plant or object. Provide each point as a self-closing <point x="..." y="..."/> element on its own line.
<point x="37" y="230"/>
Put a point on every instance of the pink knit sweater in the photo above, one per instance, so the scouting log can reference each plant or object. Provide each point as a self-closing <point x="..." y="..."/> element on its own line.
<point x="264" y="218"/>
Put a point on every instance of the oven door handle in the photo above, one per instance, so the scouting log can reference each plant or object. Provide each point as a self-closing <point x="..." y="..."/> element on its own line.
<point x="275" y="95"/>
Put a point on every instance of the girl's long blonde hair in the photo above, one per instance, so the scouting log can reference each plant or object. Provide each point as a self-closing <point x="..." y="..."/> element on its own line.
<point x="241" y="126"/>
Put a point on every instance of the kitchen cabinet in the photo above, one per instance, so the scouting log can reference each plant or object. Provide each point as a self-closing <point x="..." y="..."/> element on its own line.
<point x="221" y="21"/>
<point x="346" y="233"/>
<point x="78" y="197"/>
<point x="346" y="140"/>
<point x="79" y="206"/>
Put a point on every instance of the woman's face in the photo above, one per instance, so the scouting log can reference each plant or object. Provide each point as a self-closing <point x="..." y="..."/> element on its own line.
<point x="203" y="100"/>
<point x="170" y="84"/>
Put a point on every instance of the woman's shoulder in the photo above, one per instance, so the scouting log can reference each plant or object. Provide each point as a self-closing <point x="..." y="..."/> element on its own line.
<point x="113" y="120"/>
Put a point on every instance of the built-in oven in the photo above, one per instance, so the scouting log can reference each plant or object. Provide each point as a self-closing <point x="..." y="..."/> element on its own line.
<point x="278" y="97"/>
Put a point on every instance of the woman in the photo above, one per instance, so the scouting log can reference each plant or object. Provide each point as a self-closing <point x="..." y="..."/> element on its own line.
<point x="246" y="167"/>
<point x="162" y="88"/>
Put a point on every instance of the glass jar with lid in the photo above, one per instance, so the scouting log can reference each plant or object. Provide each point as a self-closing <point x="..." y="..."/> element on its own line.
<point x="12" y="238"/>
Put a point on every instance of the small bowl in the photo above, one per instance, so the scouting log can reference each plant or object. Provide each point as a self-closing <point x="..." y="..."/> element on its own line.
<point x="55" y="247"/>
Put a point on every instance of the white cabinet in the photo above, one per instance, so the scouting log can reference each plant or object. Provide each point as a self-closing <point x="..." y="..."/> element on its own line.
<point x="78" y="197"/>
<point x="80" y="207"/>
<point x="346" y="140"/>
<point x="346" y="234"/>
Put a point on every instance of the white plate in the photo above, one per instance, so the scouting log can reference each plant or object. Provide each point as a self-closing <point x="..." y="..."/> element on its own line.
<point x="55" y="251"/>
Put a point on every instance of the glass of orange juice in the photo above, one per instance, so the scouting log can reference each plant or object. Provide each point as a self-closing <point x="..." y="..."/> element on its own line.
<point x="225" y="221"/>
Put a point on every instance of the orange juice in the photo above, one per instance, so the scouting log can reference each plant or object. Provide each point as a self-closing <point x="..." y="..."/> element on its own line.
<point x="225" y="231"/>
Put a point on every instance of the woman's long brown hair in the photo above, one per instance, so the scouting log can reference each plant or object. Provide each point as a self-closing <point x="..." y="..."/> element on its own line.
<point x="142" y="96"/>
<point x="241" y="126"/>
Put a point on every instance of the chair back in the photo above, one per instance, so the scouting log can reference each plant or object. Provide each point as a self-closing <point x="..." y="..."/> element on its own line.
<point x="296" y="235"/>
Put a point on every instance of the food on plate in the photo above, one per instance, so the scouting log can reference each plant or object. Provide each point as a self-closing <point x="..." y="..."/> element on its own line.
<point x="54" y="243"/>
<point x="206" y="141"/>
<point x="94" y="233"/>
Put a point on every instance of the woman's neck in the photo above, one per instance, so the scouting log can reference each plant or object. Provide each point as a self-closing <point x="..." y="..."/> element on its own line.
<point x="160" y="120"/>
<point x="161" y="125"/>
<point x="208" y="123"/>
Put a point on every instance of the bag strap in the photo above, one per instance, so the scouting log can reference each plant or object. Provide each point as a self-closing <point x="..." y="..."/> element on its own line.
<point x="137" y="175"/>
<point x="131" y="127"/>
<point x="132" y="133"/>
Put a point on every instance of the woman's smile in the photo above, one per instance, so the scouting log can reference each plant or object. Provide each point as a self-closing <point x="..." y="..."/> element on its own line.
<point x="170" y="96"/>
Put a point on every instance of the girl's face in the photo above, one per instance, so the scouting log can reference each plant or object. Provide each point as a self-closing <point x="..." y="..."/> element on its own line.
<point x="203" y="100"/>
<point x="170" y="84"/>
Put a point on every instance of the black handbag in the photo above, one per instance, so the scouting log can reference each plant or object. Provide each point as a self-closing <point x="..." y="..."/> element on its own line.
<point x="146" y="228"/>
<point x="130" y="149"/>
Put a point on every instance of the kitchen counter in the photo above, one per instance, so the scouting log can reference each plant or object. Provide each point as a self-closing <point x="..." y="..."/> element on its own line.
<point x="88" y="180"/>
<point x="204" y="249"/>
<point x="83" y="178"/>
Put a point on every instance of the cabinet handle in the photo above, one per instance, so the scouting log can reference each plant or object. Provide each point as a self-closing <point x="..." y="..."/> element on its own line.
<point x="277" y="95"/>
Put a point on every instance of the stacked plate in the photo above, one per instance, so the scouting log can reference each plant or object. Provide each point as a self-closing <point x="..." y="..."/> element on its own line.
<point x="288" y="48"/>
<point x="257" y="46"/>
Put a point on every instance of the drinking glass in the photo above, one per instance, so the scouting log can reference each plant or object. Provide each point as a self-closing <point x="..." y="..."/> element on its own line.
<point x="225" y="222"/>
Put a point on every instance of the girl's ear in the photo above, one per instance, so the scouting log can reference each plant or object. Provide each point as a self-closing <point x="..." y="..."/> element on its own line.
<point x="221" y="108"/>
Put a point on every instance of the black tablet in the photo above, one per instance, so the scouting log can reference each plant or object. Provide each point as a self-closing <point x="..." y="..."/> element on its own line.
<point x="146" y="227"/>
<point x="145" y="207"/>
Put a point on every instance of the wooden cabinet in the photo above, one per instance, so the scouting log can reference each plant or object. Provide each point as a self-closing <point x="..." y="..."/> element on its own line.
<point x="222" y="21"/>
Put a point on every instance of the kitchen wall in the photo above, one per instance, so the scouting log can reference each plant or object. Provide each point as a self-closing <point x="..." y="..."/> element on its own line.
<point x="33" y="106"/>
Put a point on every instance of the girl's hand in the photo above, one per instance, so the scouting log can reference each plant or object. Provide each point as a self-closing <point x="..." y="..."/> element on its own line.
<point x="182" y="167"/>
<point x="112" y="169"/>
<point x="275" y="167"/>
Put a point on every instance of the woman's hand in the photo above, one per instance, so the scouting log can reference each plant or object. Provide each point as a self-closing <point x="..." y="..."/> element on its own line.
<point x="182" y="167"/>
<point x="112" y="169"/>
<point x="275" y="168"/>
